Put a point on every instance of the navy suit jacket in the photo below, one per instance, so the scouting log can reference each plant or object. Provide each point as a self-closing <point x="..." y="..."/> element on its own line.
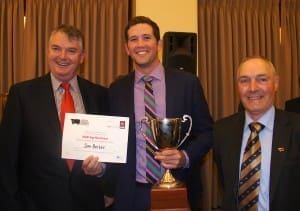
<point x="285" y="162"/>
<point x="293" y="105"/>
<point x="33" y="176"/>
<point x="184" y="95"/>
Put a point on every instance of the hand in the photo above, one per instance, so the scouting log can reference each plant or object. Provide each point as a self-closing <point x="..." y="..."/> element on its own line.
<point x="171" y="158"/>
<point x="92" y="166"/>
<point x="108" y="201"/>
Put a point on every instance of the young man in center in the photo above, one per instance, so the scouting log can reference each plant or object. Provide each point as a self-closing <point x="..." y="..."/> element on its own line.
<point x="176" y="93"/>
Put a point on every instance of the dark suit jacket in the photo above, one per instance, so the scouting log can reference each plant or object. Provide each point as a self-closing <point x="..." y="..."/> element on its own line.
<point x="184" y="95"/>
<point x="293" y="105"/>
<point x="33" y="176"/>
<point x="285" y="165"/>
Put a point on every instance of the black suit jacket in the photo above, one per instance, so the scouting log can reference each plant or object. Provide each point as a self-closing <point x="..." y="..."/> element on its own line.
<point x="184" y="95"/>
<point x="285" y="164"/>
<point x="33" y="176"/>
<point x="293" y="105"/>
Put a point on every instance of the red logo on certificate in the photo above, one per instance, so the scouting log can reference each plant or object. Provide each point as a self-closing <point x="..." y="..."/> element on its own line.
<point x="122" y="124"/>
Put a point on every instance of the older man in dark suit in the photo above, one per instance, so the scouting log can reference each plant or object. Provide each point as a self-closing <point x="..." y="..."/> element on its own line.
<point x="33" y="176"/>
<point x="262" y="172"/>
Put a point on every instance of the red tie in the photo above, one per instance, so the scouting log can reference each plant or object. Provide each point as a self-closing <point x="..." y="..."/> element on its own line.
<point x="67" y="106"/>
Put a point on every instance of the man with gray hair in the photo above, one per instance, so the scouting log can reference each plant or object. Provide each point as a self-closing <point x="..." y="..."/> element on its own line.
<point x="257" y="150"/>
<point x="33" y="176"/>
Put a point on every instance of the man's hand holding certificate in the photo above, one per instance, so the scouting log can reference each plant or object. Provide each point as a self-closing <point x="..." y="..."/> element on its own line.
<point x="98" y="135"/>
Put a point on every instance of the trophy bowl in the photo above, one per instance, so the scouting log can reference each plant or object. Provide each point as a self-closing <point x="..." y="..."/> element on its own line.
<point x="167" y="134"/>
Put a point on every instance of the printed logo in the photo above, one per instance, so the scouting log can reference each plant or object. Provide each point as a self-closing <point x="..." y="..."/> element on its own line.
<point x="122" y="124"/>
<point x="80" y="122"/>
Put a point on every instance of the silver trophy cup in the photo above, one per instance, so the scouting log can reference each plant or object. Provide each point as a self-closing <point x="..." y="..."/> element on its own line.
<point x="167" y="134"/>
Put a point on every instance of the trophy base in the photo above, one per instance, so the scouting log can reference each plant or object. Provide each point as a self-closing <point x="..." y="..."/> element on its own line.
<point x="168" y="181"/>
<point x="164" y="199"/>
<point x="168" y="185"/>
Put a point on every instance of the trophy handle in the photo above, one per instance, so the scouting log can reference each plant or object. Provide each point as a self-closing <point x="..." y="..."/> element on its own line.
<point x="145" y="120"/>
<point x="184" y="119"/>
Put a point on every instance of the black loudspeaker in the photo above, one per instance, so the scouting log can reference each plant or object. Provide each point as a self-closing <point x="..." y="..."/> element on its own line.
<point x="180" y="51"/>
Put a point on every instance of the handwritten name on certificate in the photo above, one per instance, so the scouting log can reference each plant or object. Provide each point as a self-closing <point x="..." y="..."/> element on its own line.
<point x="98" y="135"/>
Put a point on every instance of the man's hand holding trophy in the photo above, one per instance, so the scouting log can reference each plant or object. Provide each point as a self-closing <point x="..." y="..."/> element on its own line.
<point x="167" y="139"/>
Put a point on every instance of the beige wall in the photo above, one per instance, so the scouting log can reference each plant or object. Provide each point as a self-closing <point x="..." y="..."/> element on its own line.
<point x="170" y="15"/>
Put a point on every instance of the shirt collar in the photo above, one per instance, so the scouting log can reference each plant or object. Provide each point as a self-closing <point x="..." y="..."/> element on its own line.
<point x="157" y="74"/>
<point x="267" y="119"/>
<point x="56" y="83"/>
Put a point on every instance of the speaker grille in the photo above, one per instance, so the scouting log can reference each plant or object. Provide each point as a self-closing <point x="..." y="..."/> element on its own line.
<point x="180" y="51"/>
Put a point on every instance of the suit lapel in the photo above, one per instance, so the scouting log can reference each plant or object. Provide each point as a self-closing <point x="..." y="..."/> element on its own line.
<point x="279" y="149"/>
<point x="235" y="149"/>
<point x="84" y="94"/>
<point x="171" y="85"/>
<point x="47" y="102"/>
<point x="129" y="111"/>
<point x="129" y="95"/>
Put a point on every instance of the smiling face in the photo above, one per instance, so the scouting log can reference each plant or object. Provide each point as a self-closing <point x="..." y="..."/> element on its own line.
<point x="143" y="47"/>
<point x="257" y="86"/>
<point x="64" y="54"/>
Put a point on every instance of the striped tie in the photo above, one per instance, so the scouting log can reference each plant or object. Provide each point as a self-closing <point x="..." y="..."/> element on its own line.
<point x="153" y="173"/>
<point x="250" y="171"/>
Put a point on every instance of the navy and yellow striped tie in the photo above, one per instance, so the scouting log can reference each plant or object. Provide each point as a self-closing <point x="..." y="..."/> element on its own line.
<point x="153" y="173"/>
<point x="250" y="171"/>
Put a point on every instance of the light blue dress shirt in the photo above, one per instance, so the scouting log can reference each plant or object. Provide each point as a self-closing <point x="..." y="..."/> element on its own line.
<point x="265" y="137"/>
